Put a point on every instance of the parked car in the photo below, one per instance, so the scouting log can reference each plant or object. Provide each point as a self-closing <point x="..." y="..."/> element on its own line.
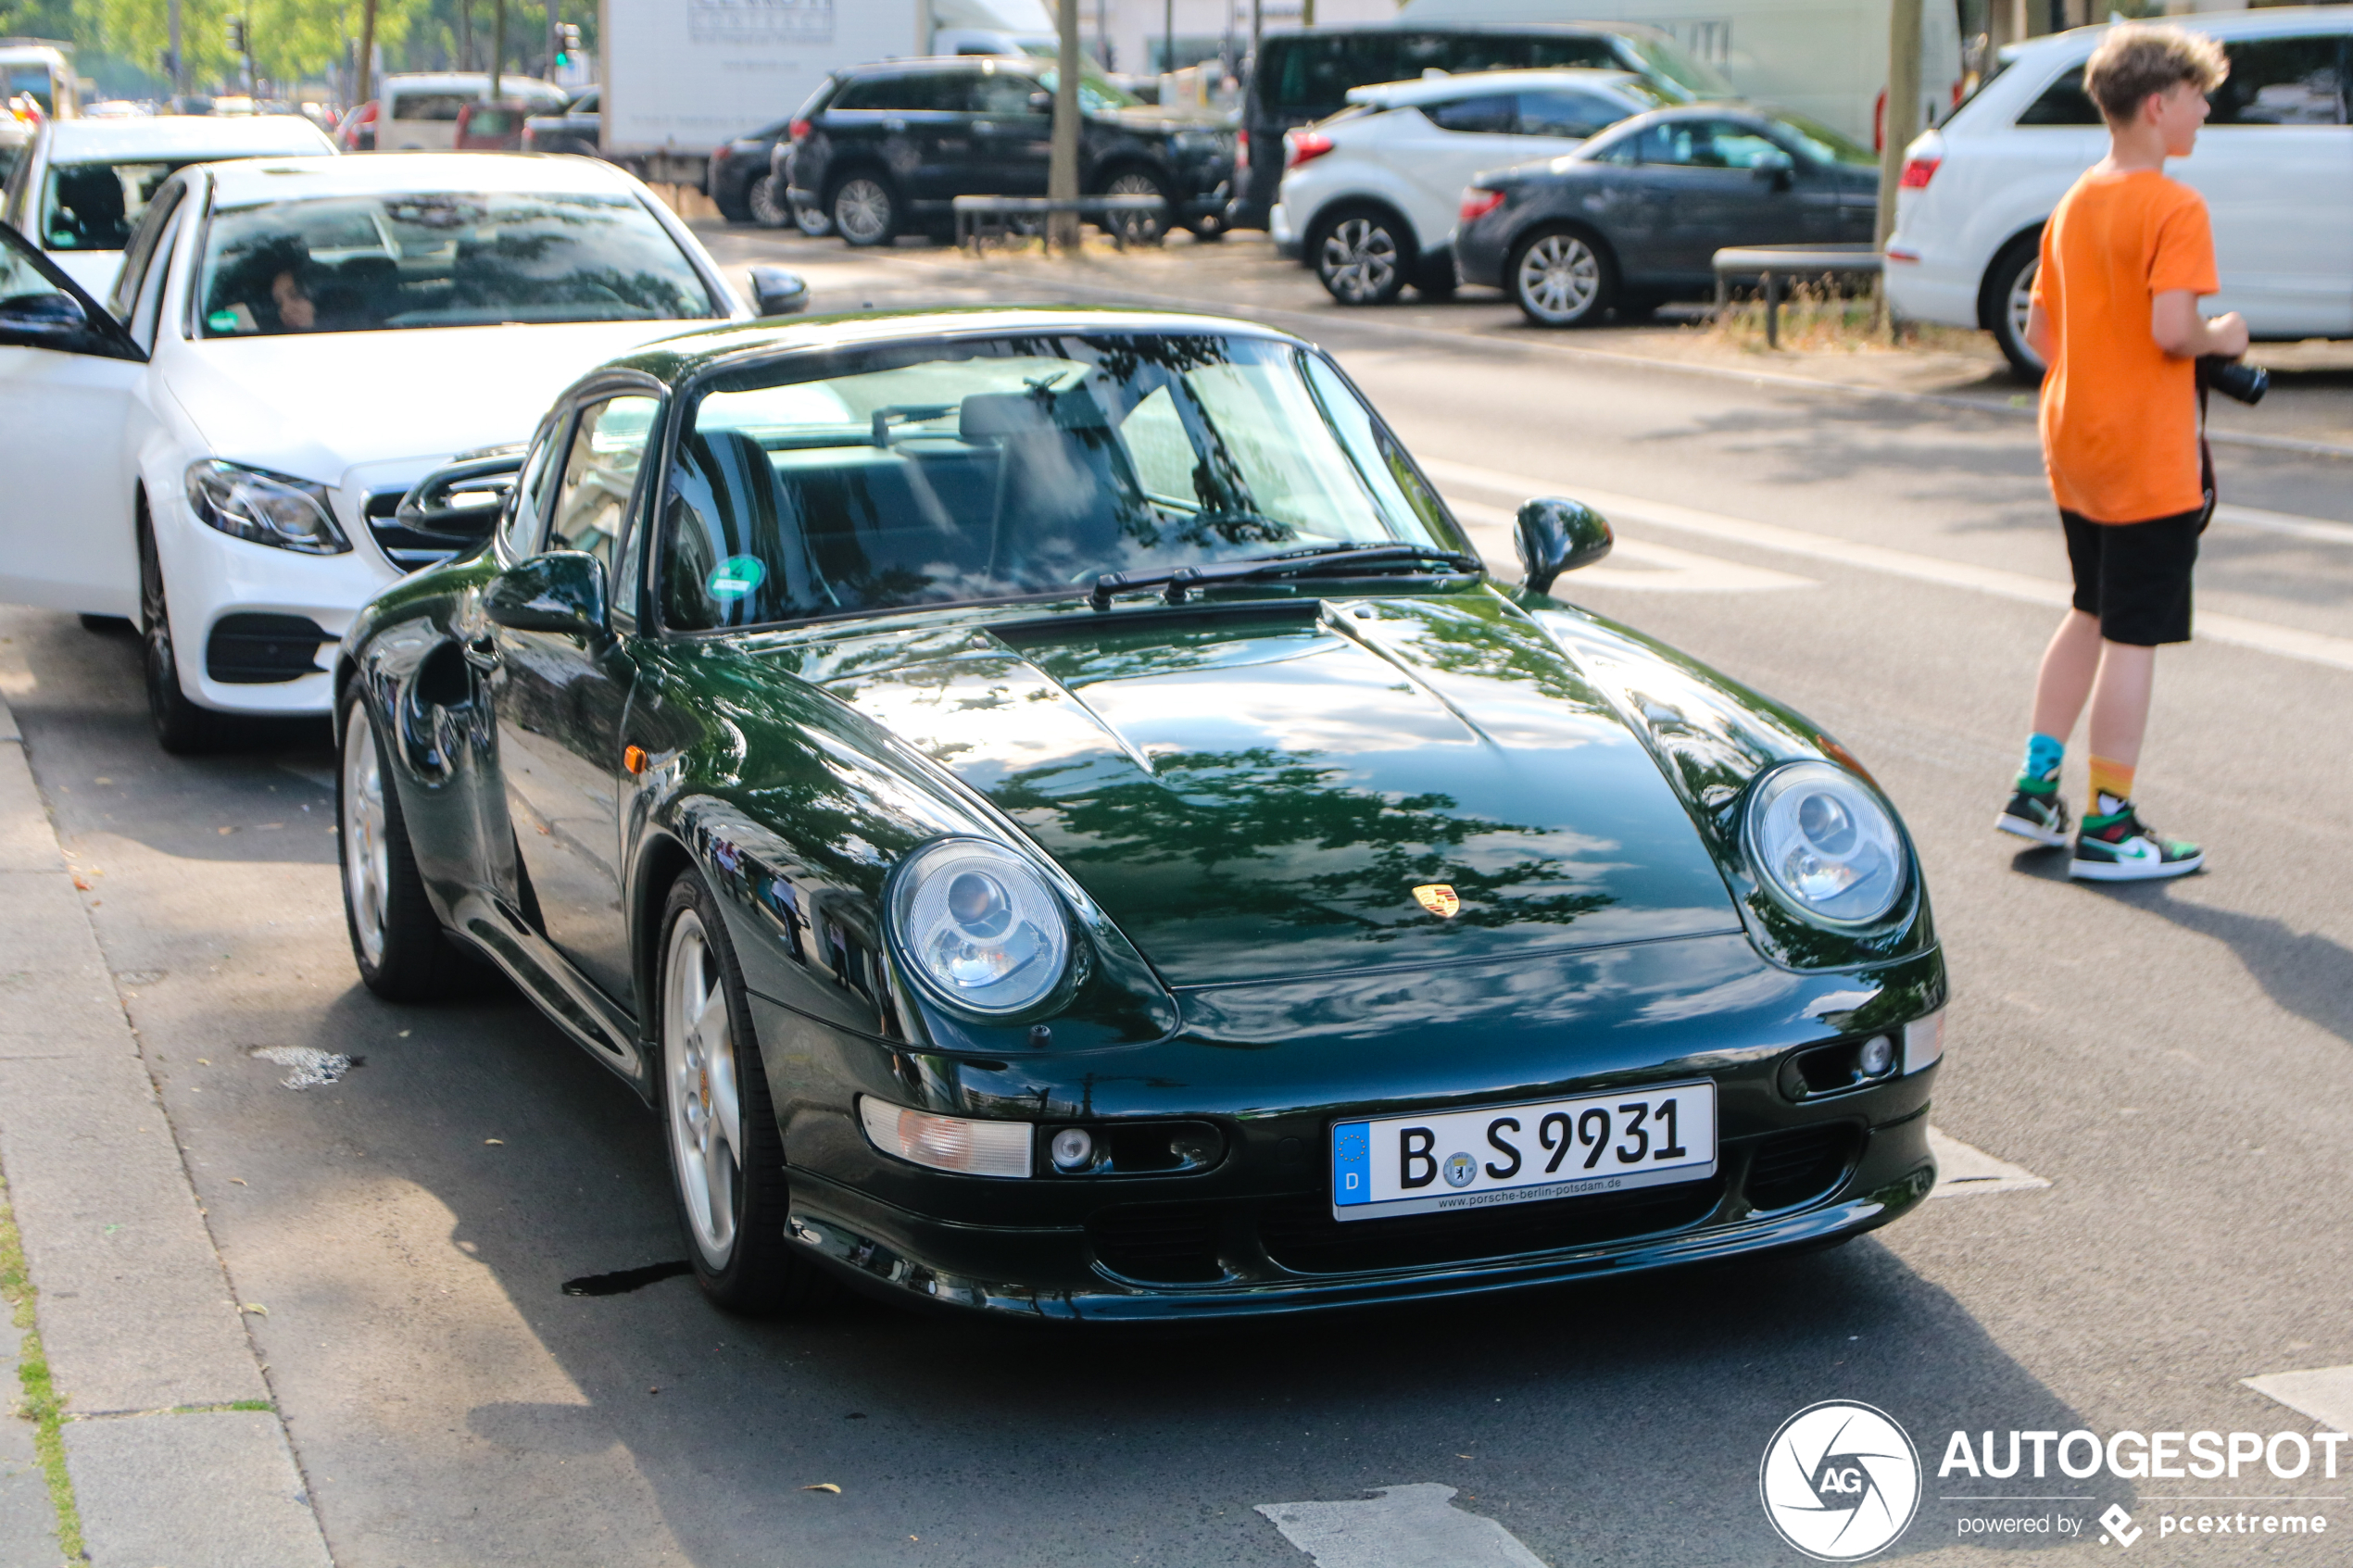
<point x="1303" y="77"/>
<point x="418" y="111"/>
<point x="1635" y="216"/>
<point x="2274" y="163"/>
<point x="888" y="147"/>
<point x="1369" y="196"/>
<point x="1051" y="812"/>
<point x="83" y="185"/>
<point x="194" y="474"/>
<point x="15" y="137"/>
<point x="575" y="127"/>
<point x="741" y="164"/>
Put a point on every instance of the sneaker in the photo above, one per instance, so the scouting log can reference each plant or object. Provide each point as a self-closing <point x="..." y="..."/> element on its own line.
<point x="2121" y="848"/>
<point x="2038" y="814"/>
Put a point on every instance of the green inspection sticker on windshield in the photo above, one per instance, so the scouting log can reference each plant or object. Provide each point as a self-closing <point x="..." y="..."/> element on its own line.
<point x="223" y="321"/>
<point x="735" y="577"/>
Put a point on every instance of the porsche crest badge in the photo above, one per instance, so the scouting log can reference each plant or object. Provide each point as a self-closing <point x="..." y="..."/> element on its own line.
<point x="1438" y="900"/>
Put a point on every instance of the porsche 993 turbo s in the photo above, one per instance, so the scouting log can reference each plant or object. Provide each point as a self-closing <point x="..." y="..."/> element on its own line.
<point x="1050" y="812"/>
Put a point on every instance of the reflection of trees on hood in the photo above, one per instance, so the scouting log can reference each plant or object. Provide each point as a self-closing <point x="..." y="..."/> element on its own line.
<point x="1283" y="837"/>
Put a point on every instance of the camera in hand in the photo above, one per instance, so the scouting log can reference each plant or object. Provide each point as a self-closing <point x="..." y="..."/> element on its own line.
<point x="2234" y="378"/>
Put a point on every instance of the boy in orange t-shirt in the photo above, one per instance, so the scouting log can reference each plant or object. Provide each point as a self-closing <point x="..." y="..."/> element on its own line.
<point x="2125" y="257"/>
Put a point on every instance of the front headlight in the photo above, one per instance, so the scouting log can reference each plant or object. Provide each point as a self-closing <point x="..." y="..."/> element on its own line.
<point x="978" y="926"/>
<point x="1824" y="844"/>
<point x="263" y="507"/>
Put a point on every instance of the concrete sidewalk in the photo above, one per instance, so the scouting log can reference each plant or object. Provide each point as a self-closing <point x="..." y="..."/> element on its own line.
<point x="172" y="1443"/>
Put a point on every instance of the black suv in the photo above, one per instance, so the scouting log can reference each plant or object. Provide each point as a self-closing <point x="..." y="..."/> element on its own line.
<point x="882" y="149"/>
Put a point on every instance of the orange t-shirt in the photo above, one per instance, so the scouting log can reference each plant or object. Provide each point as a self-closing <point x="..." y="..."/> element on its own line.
<point x="2120" y="415"/>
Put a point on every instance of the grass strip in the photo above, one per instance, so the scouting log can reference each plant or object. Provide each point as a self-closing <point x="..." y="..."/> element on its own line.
<point x="39" y="1401"/>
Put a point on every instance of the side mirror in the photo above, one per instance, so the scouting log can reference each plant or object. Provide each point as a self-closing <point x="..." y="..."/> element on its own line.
<point x="778" y="291"/>
<point x="1776" y="168"/>
<point x="43" y="313"/>
<point x="563" y="592"/>
<point x="1042" y="102"/>
<point x="1555" y="536"/>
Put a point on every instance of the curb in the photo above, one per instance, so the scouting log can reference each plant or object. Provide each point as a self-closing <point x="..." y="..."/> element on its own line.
<point x="173" y="1441"/>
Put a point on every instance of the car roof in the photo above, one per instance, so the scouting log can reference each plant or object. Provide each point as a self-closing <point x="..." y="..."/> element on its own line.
<point x="675" y="358"/>
<point x="1590" y="29"/>
<point x="1472" y="84"/>
<point x="184" y="136"/>
<point x="463" y="82"/>
<point x="293" y="179"/>
<point x="2269" y="22"/>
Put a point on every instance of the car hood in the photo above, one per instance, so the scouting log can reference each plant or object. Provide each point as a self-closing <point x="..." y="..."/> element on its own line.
<point x="1261" y="793"/>
<point x="316" y="406"/>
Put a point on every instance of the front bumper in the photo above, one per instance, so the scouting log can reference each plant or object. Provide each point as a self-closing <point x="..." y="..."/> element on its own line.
<point x="1286" y="240"/>
<point x="1927" y="291"/>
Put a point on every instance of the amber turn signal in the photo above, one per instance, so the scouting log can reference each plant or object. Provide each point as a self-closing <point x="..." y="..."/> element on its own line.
<point x="633" y="759"/>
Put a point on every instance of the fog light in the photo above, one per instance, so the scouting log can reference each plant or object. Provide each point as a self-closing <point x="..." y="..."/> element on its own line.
<point x="1876" y="1057"/>
<point x="1074" y="1148"/>
<point x="947" y="1143"/>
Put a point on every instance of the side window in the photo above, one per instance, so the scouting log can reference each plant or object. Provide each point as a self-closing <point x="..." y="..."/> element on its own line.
<point x="1000" y="92"/>
<point x="520" y="527"/>
<point x="2282" y="81"/>
<point x="1564" y="113"/>
<point x="1546" y="53"/>
<point x="1496" y="114"/>
<point x="1674" y="144"/>
<point x="2064" y="102"/>
<point x="142" y="250"/>
<point x="1738" y="146"/>
<point x="1160" y="452"/>
<point x="430" y="105"/>
<point x="599" y="473"/>
<point x="147" y="303"/>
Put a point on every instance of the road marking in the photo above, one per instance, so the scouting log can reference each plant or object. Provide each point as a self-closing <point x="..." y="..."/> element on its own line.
<point x="2325" y="1394"/>
<point x="1411" y="1526"/>
<point x="2286" y="642"/>
<point x="2283" y="522"/>
<point x="1964" y="1172"/>
<point x="1657" y="569"/>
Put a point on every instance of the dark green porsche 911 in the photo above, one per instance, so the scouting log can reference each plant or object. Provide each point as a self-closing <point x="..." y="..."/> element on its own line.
<point x="1050" y="812"/>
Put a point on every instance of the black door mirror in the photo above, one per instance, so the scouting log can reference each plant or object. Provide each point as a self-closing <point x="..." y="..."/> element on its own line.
<point x="1042" y="102"/>
<point x="778" y="291"/>
<point x="563" y="592"/>
<point x="1555" y="536"/>
<point x="1777" y="169"/>
<point x="43" y="313"/>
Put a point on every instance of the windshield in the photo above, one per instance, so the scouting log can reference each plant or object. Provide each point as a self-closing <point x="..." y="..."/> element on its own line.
<point x="1823" y="145"/>
<point x="374" y="263"/>
<point x="963" y="472"/>
<point x="1679" y="67"/>
<point x="95" y="205"/>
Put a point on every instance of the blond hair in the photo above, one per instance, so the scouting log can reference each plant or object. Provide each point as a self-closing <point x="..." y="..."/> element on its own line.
<point x="2138" y="59"/>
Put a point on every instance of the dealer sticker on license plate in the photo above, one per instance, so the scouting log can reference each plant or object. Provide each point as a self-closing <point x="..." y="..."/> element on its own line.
<point x="1523" y="1153"/>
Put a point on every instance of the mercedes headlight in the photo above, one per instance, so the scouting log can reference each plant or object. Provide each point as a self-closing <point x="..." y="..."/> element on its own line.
<point x="979" y="928"/>
<point x="1824" y="844"/>
<point x="266" y="508"/>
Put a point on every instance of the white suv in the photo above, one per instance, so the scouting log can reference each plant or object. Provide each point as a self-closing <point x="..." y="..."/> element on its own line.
<point x="1370" y="196"/>
<point x="2274" y="164"/>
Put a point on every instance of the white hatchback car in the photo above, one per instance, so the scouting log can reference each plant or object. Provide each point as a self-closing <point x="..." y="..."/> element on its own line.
<point x="221" y="450"/>
<point x="1369" y="196"/>
<point x="85" y="183"/>
<point x="2274" y="164"/>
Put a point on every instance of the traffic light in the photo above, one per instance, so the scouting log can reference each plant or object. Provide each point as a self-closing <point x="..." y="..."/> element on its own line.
<point x="567" y="42"/>
<point x="236" y="35"/>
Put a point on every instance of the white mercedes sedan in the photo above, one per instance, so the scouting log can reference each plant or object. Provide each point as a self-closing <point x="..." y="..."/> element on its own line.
<point x="220" y="450"/>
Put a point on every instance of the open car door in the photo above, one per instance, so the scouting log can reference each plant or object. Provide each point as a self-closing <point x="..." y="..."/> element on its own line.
<point x="68" y="375"/>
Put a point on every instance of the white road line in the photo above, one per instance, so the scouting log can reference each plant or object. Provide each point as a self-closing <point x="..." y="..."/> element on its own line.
<point x="1964" y="1172"/>
<point x="2325" y="1394"/>
<point x="2231" y="516"/>
<point x="2286" y="641"/>
<point x="1656" y="569"/>
<point x="1411" y="1526"/>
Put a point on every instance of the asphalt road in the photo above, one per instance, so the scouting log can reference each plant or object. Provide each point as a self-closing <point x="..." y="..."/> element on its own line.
<point x="2176" y="1061"/>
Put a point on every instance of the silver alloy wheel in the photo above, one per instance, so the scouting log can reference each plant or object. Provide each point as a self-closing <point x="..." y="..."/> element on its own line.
<point x="861" y="208"/>
<point x="704" y="1099"/>
<point x="367" y="868"/>
<point x="2020" y="305"/>
<point x="1559" y="279"/>
<point x="769" y="208"/>
<point x="812" y="220"/>
<point x="1358" y="262"/>
<point x="1138" y="228"/>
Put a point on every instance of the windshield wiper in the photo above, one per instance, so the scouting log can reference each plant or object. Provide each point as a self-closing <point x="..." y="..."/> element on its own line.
<point x="1181" y="580"/>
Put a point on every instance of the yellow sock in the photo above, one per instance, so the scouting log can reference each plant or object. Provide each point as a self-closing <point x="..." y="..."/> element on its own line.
<point x="2111" y="778"/>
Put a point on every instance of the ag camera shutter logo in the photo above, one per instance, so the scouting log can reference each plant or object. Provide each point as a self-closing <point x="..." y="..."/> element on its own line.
<point x="1840" y="1481"/>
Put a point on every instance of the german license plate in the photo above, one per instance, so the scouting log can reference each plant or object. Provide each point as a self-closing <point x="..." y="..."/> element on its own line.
<point x="1523" y="1153"/>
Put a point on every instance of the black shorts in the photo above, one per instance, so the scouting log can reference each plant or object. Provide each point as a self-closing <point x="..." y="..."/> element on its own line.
<point x="2135" y="576"/>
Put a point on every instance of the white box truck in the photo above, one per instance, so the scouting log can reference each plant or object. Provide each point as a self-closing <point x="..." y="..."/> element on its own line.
<point x="681" y="76"/>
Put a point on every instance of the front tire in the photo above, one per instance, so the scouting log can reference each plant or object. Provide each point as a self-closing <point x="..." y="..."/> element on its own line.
<point x="866" y="210"/>
<point x="767" y="204"/>
<point x="1360" y="255"/>
<point x="1136" y="228"/>
<point x="182" y="728"/>
<point x="2010" y="289"/>
<point x="726" y="1155"/>
<point x="1559" y="278"/>
<point x="396" y="938"/>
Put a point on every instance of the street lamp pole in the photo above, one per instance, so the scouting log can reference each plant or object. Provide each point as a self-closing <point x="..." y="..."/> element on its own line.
<point x="498" y="42"/>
